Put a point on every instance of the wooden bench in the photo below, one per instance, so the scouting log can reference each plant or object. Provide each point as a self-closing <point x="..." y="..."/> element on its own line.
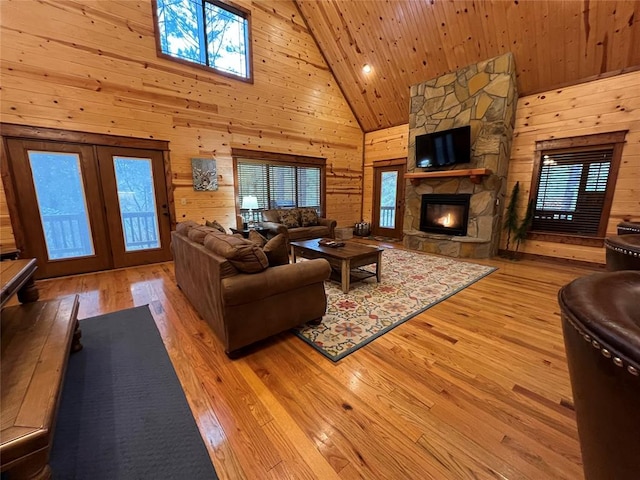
<point x="36" y="337"/>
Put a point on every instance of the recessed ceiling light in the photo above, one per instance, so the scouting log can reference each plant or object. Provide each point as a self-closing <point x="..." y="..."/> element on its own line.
<point x="366" y="68"/>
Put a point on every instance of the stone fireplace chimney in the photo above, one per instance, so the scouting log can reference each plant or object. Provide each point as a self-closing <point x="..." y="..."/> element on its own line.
<point x="483" y="96"/>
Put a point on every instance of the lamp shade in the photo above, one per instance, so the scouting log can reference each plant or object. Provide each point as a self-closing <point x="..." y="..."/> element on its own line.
<point x="249" y="202"/>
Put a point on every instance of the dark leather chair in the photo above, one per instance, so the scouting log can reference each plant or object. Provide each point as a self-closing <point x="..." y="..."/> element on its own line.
<point x="601" y="328"/>
<point x="623" y="250"/>
<point x="623" y="253"/>
<point x="626" y="228"/>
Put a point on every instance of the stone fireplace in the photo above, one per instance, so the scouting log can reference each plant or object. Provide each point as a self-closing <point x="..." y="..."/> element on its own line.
<point x="445" y="213"/>
<point x="483" y="96"/>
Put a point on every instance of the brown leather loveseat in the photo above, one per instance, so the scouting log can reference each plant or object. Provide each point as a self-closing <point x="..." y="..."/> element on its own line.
<point x="298" y="224"/>
<point x="230" y="283"/>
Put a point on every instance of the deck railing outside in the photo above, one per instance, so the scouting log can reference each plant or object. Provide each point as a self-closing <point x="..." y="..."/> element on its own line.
<point x="387" y="217"/>
<point x="140" y="230"/>
<point x="67" y="236"/>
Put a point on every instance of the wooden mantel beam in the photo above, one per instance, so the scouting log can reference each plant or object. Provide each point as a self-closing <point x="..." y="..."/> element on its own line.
<point x="475" y="174"/>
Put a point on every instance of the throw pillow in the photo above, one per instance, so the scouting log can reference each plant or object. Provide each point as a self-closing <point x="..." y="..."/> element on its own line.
<point x="290" y="218"/>
<point x="183" y="227"/>
<point x="276" y="251"/>
<point x="242" y="253"/>
<point x="308" y="217"/>
<point x="257" y="238"/>
<point x="271" y="215"/>
<point x="215" y="224"/>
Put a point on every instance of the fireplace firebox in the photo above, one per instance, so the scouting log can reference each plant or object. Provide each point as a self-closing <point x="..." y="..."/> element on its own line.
<point x="444" y="213"/>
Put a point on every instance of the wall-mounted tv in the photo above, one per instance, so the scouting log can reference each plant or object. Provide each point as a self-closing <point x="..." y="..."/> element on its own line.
<point x="444" y="148"/>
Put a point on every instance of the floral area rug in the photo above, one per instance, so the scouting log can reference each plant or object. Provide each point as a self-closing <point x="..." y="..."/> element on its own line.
<point x="411" y="283"/>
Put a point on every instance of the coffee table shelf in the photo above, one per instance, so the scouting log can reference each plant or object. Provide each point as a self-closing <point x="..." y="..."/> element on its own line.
<point x="343" y="260"/>
<point x="355" y="275"/>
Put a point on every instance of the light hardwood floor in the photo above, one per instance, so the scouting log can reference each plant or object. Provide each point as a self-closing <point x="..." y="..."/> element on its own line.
<point x="475" y="387"/>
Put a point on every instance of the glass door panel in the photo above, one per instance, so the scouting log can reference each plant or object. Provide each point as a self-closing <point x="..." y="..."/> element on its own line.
<point x="135" y="195"/>
<point x="137" y="200"/>
<point x="388" y="199"/>
<point x="62" y="205"/>
<point x="58" y="206"/>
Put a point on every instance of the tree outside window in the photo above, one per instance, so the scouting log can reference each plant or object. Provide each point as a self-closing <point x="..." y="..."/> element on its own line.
<point x="205" y="32"/>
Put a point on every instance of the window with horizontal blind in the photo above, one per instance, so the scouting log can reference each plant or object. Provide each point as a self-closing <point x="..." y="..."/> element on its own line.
<point x="278" y="181"/>
<point x="573" y="185"/>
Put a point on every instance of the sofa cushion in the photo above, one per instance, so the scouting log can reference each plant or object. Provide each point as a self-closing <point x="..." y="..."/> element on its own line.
<point x="257" y="238"/>
<point x="276" y="250"/>
<point x="199" y="232"/>
<point x="215" y="224"/>
<point x="183" y="227"/>
<point x="308" y="217"/>
<point x="290" y="218"/>
<point x="243" y="254"/>
<point x="306" y="233"/>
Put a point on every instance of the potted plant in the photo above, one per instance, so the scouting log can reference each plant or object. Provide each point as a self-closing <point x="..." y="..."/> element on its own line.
<point x="511" y="223"/>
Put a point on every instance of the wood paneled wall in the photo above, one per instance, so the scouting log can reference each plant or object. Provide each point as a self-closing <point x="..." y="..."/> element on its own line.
<point x="596" y="107"/>
<point x="92" y="66"/>
<point x="599" y="106"/>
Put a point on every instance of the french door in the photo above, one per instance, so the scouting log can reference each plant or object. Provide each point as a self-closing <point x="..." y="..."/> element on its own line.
<point x="388" y="199"/>
<point x="85" y="208"/>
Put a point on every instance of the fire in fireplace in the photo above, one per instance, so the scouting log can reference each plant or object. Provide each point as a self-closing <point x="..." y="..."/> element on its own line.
<point x="444" y="213"/>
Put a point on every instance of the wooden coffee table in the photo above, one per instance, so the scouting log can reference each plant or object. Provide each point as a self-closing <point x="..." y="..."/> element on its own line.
<point x="344" y="261"/>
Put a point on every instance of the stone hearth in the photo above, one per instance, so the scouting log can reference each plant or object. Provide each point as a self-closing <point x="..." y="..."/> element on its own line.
<point x="483" y="96"/>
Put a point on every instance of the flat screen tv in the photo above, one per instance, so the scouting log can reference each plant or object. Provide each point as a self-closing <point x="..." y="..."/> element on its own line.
<point x="444" y="148"/>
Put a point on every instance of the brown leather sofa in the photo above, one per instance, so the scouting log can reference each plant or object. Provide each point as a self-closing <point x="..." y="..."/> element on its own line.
<point x="601" y="328"/>
<point x="230" y="284"/>
<point x="305" y="228"/>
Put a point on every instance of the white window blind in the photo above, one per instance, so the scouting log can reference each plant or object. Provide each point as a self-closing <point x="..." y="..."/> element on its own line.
<point x="571" y="191"/>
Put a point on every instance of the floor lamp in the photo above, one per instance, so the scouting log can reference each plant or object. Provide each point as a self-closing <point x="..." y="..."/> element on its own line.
<point x="249" y="203"/>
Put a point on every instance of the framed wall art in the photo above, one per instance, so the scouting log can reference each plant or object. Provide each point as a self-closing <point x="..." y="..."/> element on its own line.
<point x="205" y="176"/>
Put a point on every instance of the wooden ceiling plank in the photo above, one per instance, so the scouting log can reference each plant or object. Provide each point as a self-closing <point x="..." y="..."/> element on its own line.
<point x="373" y="44"/>
<point x="447" y="32"/>
<point x="481" y="37"/>
<point x="587" y="44"/>
<point x="634" y="51"/>
<point x="547" y="37"/>
<point x="322" y="18"/>
<point x="622" y="35"/>
<point x="425" y="39"/>
<point x="546" y="62"/>
<point x="388" y="20"/>
<point x="366" y="83"/>
<point x="570" y="12"/>
<point x="604" y="19"/>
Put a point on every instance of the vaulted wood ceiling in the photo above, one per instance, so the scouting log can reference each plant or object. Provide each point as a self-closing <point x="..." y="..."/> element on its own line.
<point x="555" y="43"/>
